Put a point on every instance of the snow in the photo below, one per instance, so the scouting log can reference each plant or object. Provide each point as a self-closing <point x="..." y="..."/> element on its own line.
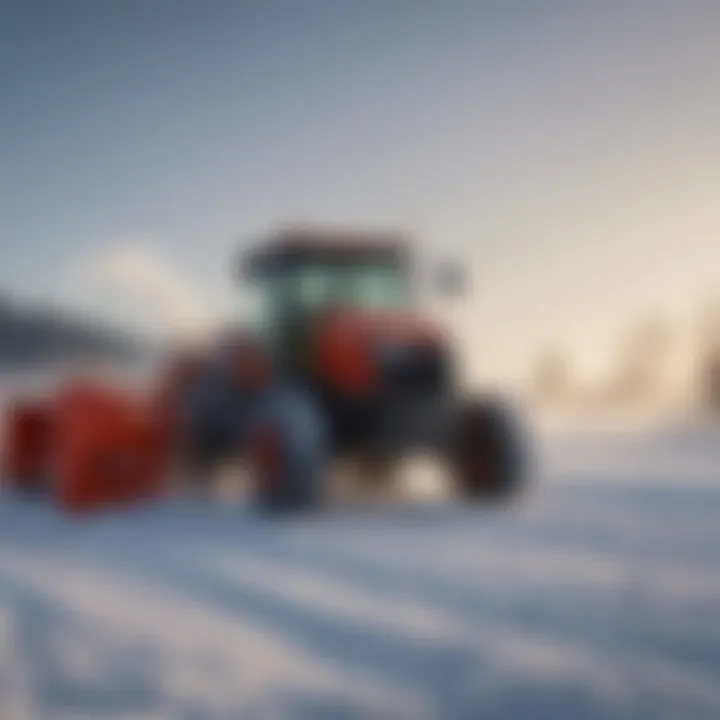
<point x="597" y="596"/>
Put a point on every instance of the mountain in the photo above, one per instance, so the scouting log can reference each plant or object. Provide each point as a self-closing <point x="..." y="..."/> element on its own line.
<point x="31" y="334"/>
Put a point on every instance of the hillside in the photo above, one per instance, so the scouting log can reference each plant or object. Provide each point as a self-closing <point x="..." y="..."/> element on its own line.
<point x="39" y="334"/>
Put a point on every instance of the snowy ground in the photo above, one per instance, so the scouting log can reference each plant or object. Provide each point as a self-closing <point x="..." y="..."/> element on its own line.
<point x="598" y="597"/>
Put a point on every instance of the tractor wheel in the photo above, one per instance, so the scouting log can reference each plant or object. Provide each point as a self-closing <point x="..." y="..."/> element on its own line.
<point x="487" y="455"/>
<point x="286" y="455"/>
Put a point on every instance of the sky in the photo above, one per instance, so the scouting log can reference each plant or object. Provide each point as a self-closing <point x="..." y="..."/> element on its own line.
<point x="567" y="152"/>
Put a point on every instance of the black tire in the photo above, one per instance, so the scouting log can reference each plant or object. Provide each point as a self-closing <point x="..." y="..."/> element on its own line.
<point x="286" y="450"/>
<point x="488" y="453"/>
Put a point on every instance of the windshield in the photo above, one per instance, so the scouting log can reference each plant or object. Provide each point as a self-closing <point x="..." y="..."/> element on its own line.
<point x="375" y="288"/>
<point x="368" y="287"/>
<point x="286" y="303"/>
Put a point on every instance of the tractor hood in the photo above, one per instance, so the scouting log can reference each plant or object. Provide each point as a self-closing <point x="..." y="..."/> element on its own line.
<point x="361" y="350"/>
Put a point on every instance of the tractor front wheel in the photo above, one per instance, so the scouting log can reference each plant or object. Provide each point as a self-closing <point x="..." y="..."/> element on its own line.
<point x="488" y="455"/>
<point x="286" y="454"/>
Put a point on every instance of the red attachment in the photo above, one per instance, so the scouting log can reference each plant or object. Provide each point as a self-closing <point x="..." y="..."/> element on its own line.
<point x="26" y="443"/>
<point x="109" y="450"/>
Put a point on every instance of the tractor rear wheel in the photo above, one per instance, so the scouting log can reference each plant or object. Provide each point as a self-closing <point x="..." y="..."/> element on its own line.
<point x="488" y="455"/>
<point x="286" y="454"/>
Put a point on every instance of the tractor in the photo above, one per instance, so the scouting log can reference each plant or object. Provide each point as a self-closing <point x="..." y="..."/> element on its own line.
<point x="341" y="365"/>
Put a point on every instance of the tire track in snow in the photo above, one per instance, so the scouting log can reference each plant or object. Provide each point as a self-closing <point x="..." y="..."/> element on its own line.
<point x="535" y="657"/>
<point x="264" y="665"/>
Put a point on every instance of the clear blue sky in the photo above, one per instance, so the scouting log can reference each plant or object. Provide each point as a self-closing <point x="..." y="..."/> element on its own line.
<point x="568" y="150"/>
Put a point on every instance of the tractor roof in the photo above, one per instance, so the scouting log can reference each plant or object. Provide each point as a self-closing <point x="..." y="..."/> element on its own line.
<point x="302" y="245"/>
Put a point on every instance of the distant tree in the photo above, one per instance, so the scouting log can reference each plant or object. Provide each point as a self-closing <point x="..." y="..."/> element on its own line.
<point x="710" y="385"/>
<point x="708" y="364"/>
<point x="639" y="375"/>
<point x="709" y="326"/>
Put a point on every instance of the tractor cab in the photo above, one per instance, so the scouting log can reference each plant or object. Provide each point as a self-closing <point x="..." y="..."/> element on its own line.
<point x="301" y="276"/>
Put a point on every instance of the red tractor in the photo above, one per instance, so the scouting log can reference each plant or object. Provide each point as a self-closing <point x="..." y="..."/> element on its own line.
<point x="344" y="367"/>
<point x="341" y="367"/>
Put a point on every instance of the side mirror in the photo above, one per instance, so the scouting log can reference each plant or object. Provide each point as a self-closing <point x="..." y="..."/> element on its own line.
<point x="451" y="279"/>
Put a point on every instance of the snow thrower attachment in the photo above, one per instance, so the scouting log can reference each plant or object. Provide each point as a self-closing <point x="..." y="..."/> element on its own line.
<point x="110" y="450"/>
<point x="26" y="445"/>
<point x="89" y="448"/>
